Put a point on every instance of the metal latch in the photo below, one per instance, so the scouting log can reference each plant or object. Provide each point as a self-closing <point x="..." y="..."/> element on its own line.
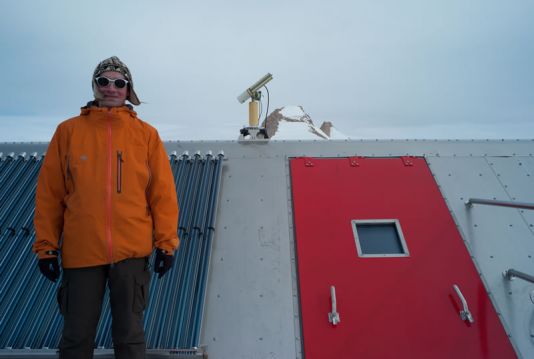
<point x="333" y="316"/>
<point x="464" y="314"/>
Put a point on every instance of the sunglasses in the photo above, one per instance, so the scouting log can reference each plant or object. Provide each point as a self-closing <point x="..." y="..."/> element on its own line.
<point x="105" y="82"/>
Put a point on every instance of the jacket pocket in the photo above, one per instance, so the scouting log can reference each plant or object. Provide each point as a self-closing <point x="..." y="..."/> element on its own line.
<point x="140" y="300"/>
<point x="119" y="171"/>
<point x="62" y="297"/>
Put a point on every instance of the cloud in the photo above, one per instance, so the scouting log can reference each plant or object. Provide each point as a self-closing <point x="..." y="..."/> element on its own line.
<point x="391" y="63"/>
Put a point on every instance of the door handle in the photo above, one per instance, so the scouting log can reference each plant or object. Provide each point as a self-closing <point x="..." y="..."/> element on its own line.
<point x="465" y="314"/>
<point x="333" y="316"/>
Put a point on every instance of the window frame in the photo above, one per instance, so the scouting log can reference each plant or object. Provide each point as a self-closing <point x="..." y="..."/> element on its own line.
<point x="356" y="222"/>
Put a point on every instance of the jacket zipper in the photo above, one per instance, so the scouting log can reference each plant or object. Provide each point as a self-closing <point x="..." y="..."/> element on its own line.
<point x="148" y="188"/>
<point x="119" y="171"/>
<point x="108" y="190"/>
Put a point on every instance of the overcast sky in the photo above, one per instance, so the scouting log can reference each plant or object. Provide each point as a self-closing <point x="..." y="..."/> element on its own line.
<point x="376" y="69"/>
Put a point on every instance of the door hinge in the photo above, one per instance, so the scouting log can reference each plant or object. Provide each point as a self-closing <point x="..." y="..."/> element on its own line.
<point x="408" y="160"/>
<point x="355" y="161"/>
<point x="308" y="161"/>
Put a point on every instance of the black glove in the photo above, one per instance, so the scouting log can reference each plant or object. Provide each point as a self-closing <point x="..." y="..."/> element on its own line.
<point x="163" y="262"/>
<point x="49" y="267"/>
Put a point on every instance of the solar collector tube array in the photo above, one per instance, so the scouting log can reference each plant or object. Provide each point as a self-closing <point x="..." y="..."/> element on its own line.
<point x="29" y="315"/>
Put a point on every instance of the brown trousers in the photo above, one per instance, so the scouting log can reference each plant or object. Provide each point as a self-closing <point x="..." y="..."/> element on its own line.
<point x="80" y="301"/>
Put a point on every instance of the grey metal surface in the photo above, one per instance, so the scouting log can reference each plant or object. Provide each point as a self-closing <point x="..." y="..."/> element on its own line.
<point x="252" y="304"/>
<point x="249" y="304"/>
<point x="336" y="148"/>
<point x="516" y="175"/>
<point x="497" y="237"/>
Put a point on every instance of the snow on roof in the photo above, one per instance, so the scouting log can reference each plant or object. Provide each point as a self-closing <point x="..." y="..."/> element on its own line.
<point x="293" y="112"/>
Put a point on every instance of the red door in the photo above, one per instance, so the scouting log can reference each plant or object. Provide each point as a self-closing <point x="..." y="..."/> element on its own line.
<point x="392" y="304"/>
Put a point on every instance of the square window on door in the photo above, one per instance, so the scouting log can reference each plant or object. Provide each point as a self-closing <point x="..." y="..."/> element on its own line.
<point x="379" y="238"/>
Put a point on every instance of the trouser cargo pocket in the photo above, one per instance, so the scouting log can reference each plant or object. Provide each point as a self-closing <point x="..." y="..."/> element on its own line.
<point x="62" y="297"/>
<point x="140" y="300"/>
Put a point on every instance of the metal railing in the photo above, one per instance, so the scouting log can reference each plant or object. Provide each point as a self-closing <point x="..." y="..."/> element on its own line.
<point x="512" y="273"/>
<point x="493" y="202"/>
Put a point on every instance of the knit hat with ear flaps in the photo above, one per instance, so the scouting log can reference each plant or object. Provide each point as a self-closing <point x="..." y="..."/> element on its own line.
<point x="114" y="64"/>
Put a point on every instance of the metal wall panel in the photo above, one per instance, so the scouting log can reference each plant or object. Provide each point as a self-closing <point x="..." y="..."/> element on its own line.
<point x="335" y="148"/>
<point x="242" y="176"/>
<point x="516" y="175"/>
<point x="249" y="302"/>
<point x="497" y="237"/>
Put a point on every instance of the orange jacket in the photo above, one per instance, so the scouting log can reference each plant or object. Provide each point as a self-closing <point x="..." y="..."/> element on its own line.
<point x="106" y="185"/>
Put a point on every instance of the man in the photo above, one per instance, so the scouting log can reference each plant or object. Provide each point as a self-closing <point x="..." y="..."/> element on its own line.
<point x="105" y="198"/>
